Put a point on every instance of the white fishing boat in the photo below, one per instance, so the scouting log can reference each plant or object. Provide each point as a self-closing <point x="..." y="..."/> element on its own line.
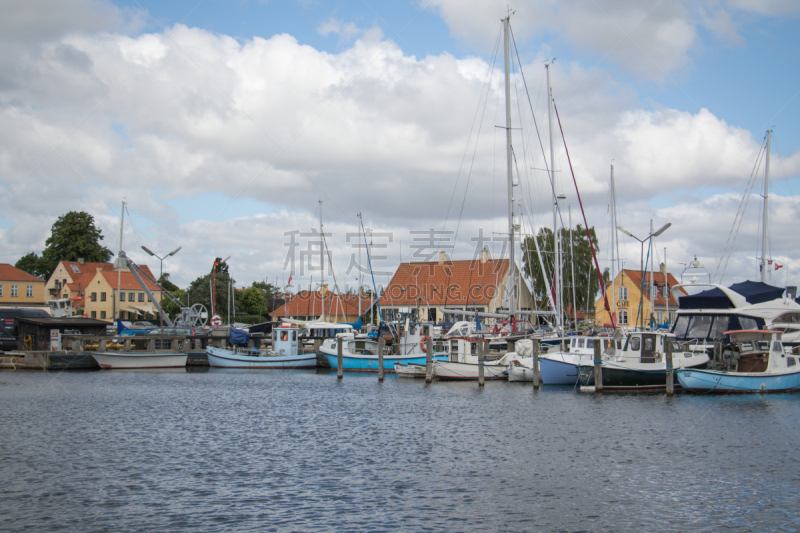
<point x="464" y="363"/>
<point x="130" y="360"/>
<point x="284" y="353"/>
<point x="642" y="364"/>
<point x="563" y="367"/>
<point x="754" y="361"/>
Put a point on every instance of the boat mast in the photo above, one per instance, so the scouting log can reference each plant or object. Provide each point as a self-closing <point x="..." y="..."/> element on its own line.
<point x="556" y="247"/>
<point x="613" y="250"/>
<point x="765" y="223"/>
<point x="572" y="263"/>
<point x="321" y="263"/>
<point x="119" y="272"/>
<point x="509" y="167"/>
<point x="360" y="275"/>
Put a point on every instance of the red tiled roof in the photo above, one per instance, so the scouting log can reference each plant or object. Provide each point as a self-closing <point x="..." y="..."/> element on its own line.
<point x="309" y="303"/>
<point x="127" y="281"/>
<point x="449" y="283"/>
<point x="12" y="273"/>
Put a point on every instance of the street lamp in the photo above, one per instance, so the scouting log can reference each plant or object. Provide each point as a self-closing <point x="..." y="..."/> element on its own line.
<point x="641" y="261"/>
<point x="160" y="281"/>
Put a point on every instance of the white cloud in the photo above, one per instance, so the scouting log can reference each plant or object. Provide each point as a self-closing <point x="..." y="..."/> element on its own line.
<point x="193" y="115"/>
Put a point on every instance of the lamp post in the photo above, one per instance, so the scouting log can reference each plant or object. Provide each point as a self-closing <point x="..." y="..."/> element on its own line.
<point x="641" y="261"/>
<point x="160" y="281"/>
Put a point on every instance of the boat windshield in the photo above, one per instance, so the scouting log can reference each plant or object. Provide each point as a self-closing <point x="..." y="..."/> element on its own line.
<point x="712" y="328"/>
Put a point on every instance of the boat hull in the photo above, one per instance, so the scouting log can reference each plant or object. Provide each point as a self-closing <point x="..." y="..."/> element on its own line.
<point x="555" y="372"/>
<point x="520" y="373"/>
<point x="721" y="382"/>
<point x="624" y="379"/>
<point x="451" y="371"/>
<point x="222" y="358"/>
<point x="124" y="360"/>
<point x="369" y="363"/>
<point x="410" y="370"/>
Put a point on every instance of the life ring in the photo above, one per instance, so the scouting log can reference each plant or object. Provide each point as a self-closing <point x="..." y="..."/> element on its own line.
<point x="422" y="343"/>
<point x="216" y="321"/>
<point x="28" y="342"/>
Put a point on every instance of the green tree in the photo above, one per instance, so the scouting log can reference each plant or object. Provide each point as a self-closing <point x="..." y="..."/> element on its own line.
<point x="73" y="236"/>
<point x="269" y="290"/>
<point x="166" y="283"/>
<point x="251" y="301"/>
<point x="200" y="292"/>
<point x="32" y="264"/>
<point x="172" y="302"/>
<point x="586" y="282"/>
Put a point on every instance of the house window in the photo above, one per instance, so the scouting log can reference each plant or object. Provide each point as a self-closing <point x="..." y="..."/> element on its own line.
<point x="623" y="317"/>
<point x="122" y="297"/>
<point x="94" y="314"/>
<point x="14" y="291"/>
<point x="102" y="313"/>
<point x="141" y="297"/>
<point x="623" y="294"/>
<point x="29" y="291"/>
<point x="94" y="297"/>
<point x="102" y="297"/>
<point x="1" y="290"/>
<point x="131" y="296"/>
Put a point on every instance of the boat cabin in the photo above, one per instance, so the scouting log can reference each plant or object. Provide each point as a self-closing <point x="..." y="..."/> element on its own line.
<point x="285" y="340"/>
<point x="756" y="351"/>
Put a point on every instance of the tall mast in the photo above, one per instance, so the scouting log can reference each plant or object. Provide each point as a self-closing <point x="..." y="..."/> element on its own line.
<point x="572" y="262"/>
<point x="613" y="250"/>
<point x="360" y="280"/>
<point x="322" y="262"/>
<point x="119" y="272"/>
<point x="556" y="247"/>
<point x="509" y="165"/>
<point x="765" y="228"/>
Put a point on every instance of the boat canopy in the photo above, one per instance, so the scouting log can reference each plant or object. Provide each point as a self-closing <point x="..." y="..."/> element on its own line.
<point x="754" y="292"/>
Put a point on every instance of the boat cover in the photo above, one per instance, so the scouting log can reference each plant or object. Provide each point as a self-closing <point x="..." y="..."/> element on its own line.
<point x="754" y="292"/>
<point x="239" y="336"/>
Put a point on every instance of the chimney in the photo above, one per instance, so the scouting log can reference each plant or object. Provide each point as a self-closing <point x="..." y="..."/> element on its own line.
<point x="441" y="258"/>
<point x="80" y="260"/>
<point x="484" y="255"/>
<point x="663" y="269"/>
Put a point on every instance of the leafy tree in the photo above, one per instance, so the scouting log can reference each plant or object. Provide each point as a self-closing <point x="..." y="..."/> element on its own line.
<point x="220" y="266"/>
<point x="173" y="302"/>
<point x="32" y="264"/>
<point x="73" y="236"/>
<point x="586" y="283"/>
<point x="251" y="301"/>
<point x="166" y="283"/>
<point x="200" y="291"/>
<point x="269" y="290"/>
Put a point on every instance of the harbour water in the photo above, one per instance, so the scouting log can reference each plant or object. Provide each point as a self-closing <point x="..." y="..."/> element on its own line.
<point x="302" y="451"/>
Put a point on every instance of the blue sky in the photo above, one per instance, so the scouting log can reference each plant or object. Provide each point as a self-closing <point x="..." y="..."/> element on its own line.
<point x="375" y="103"/>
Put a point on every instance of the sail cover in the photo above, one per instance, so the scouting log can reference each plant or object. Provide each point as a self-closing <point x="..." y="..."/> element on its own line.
<point x="754" y="292"/>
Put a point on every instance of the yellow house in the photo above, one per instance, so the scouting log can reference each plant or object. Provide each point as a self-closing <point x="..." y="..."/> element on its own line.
<point x="20" y="289"/>
<point x="98" y="291"/>
<point x="109" y="291"/>
<point x="657" y="298"/>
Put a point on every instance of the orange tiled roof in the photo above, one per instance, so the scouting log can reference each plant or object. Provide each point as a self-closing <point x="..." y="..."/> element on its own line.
<point x="12" y="273"/>
<point x="309" y="303"/>
<point x="127" y="282"/>
<point x="467" y="282"/>
<point x="85" y="268"/>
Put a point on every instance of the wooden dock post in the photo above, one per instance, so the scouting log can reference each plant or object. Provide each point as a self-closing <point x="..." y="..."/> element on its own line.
<point x="481" y="359"/>
<point x="536" y="376"/>
<point x="339" y="363"/>
<point x="598" y="366"/>
<point x="381" y="343"/>
<point x="670" y="372"/>
<point x="429" y="360"/>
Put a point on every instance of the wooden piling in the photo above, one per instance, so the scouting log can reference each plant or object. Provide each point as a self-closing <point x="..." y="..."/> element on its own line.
<point x="598" y="366"/>
<point x="339" y="363"/>
<point x="670" y="372"/>
<point x="428" y="360"/>
<point x="381" y="342"/>
<point x="480" y="363"/>
<point x="536" y="376"/>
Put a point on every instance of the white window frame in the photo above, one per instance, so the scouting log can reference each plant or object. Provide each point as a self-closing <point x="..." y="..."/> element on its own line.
<point x="14" y="290"/>
<point x="1" y="290"/>
<point x="623" y="317"/>
<point x="623" y="294"/>
<point x="29" y="291"/>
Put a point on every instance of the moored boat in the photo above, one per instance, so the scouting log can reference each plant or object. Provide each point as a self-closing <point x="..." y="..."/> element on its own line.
<point x="283" y="355"/>
<point x="641" y="365"/>
<point x="130" y="360"/>
<point x="755" y="361"/>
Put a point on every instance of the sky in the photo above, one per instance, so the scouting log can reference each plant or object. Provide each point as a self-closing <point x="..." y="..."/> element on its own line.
<point x="232" y="128"/>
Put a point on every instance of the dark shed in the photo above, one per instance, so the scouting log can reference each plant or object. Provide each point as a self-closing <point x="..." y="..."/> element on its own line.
<point x="34" y="333"/>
